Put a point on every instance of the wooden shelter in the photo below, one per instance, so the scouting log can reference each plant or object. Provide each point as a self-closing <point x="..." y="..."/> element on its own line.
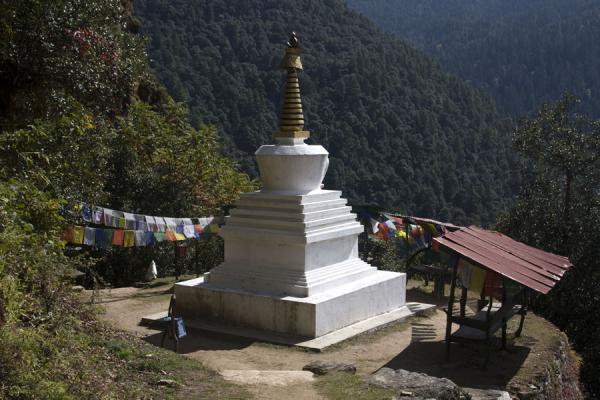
<point x="516" y="265"/>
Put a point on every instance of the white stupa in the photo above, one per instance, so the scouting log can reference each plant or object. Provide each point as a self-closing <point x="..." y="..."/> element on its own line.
<point x="291" y="249"/>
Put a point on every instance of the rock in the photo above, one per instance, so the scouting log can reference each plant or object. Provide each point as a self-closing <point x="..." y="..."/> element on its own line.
<point x="168" y="383"/>
<point x="420" y="385"/>
<point x="324" y="367"/>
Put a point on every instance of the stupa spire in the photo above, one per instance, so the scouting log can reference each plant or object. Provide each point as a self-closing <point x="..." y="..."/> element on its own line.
<point x="291" y="122"/>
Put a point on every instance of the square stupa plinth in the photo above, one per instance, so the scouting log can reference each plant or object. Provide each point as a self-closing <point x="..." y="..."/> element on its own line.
<point x="291" y="266"/>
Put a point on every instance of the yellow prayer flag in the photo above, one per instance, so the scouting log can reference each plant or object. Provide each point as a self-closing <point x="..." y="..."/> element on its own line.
<point x="477" y="279"/>
<point x="179" y="236"/>
<point x="128" y="238"/>
<point x="77" y="235"/>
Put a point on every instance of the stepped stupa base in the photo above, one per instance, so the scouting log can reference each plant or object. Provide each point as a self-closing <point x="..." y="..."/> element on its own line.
<point x="310" y="317"/>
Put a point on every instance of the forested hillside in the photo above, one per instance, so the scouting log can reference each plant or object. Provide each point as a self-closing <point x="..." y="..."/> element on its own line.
<point x="401" y="132"/>
<point x="524" y="53"/>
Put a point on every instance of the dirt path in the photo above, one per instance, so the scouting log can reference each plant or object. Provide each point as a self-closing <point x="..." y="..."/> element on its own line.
<point x="125" y="307"/>
<point x="415" y="345"/>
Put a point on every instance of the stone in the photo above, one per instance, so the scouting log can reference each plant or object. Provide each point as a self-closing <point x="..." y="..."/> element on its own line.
<point x="271" y="378"/>
<point x="168" y="383"/>
<point x="420" y="385"/>
<point x="324" y="367"/>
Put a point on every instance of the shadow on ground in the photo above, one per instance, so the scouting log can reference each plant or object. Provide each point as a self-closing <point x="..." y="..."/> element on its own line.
<point x="202" y="341"/>
<point x="467" y="366"/>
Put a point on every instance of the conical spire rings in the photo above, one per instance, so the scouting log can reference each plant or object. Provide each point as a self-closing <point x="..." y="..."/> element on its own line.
<point x="291" y="122"/>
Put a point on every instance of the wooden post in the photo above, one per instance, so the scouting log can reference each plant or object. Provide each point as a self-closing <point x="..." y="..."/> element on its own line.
<point x="523" y="312"/>
<point x="176" y="261"/>
<point x="463" y="301"/>
<point x="196" y="258"/>
<point x="406" y="229"/>
<point x="454" y="264"/>
<point x="503" y="318"/>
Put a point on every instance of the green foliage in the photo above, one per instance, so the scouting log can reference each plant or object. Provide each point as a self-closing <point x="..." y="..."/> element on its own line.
<point x="52" y="52"/>
<point x="64" y="155"/>
<point x="384" y="254"/>
<point x="161" y="165"/>
<point x="72" y="128"/>
<point x="523" y="53"/>
<point x="401" y="133"/>
<point x="560" y="212"/>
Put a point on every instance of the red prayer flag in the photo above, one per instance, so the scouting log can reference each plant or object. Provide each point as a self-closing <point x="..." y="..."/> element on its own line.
<point x="67" y="234"/>
<point x="170" y="235"/>
<point x="118" y="237"/>
<point x="493" y="285"/>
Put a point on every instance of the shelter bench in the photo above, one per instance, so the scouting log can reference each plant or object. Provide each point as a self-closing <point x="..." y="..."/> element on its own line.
<point x="487" y="321"/>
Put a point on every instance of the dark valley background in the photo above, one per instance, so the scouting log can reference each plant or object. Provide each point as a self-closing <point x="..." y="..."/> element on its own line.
<point x="402" y="133"/>
<point x="522" y="53"/>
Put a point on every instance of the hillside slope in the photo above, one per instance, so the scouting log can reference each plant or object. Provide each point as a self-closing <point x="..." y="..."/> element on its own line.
<point x="523" y="53"/>
<point x="401" y="133"/>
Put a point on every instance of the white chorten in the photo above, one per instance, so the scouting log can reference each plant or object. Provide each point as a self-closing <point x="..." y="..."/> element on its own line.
<point x="291" y="249"/>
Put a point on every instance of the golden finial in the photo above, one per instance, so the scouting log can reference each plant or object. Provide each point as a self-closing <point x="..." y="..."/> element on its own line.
<point x="291" y="123"/>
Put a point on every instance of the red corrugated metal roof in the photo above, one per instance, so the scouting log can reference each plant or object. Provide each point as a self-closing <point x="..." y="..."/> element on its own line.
<point x="534" y="268"/>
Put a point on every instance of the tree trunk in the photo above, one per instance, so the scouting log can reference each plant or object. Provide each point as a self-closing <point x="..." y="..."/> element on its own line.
<point x="567" y="211"/>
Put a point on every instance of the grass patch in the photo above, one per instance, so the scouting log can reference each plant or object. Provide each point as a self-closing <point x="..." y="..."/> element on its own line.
<point x="343" y="386"/>
<point x="140" y="366"/>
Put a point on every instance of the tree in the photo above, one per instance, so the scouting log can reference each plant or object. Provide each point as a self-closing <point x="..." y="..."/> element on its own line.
<point x="560" y="212"/>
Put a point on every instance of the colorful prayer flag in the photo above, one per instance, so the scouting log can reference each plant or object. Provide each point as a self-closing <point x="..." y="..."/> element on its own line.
<point x="140" y="238"/>
<point x="171" y="223"/>
<point x="477" y="279"/>
<point x="89" y="236"/>
<point x="118" y="237"/>
<point x="129" y="238"/>
<point x="212" y="228"/>
<point x="188" y="231"/>
<point x="67" y="234"/>
<point x="151" y="223"/>
<point x="77" y="235"/>
<point x="86" y="213"/>
<point x="179" y="236"/>
<point x="374" y="225"/>
<point x="149" y="238"/>
<point x="98" y="215"/>
<point x="108" y="217"/>
<point x="140" y="222"/>
<point x="159" y="236"/>
<point x="101" y="240"/>
<point x="161" y="225"/>
<point x="170" y="235"/>
<point x="129" y="221"/>
<point x="390" y="225"/>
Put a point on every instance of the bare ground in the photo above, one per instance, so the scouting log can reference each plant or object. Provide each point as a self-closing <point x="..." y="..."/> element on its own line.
<point x="416" y="345"/>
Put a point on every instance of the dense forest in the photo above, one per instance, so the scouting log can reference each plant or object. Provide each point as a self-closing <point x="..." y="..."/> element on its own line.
<point x="523" y="53"/>
<point x="401" y="133"/>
